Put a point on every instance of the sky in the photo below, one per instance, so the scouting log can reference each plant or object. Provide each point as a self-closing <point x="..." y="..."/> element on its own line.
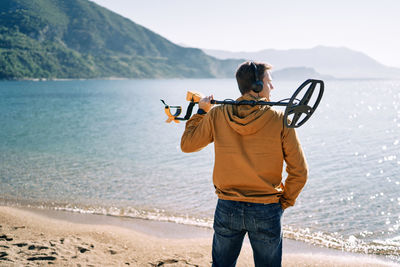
<point x="368" y="26"/>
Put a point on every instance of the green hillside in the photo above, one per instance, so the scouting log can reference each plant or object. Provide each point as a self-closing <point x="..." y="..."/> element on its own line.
<point x="80" y="39"/>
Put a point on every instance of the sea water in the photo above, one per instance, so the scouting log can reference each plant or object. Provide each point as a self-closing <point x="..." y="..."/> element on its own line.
<point x="102" y="146"/>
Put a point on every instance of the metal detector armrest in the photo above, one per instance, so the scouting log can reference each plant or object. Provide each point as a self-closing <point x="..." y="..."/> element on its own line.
<point x="194" y="96"/>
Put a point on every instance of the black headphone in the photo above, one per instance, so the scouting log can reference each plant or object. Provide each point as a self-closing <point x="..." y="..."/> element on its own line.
<point x="257" y="85"/>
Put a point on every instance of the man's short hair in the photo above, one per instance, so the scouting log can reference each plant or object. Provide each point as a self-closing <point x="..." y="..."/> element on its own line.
<point x="245" y="75"/>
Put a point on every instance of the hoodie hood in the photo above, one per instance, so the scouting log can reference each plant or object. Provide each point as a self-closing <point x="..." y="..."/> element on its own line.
<point x="247" y="119"/>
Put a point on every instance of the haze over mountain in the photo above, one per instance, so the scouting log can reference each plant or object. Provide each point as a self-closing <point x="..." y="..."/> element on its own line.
<point x="339" y="62"/>
<point x="298" y="73"/>
<point x="80" y="39"/>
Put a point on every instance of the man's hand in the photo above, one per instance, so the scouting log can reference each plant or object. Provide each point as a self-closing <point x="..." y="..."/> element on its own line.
<point x="205" y="103"/>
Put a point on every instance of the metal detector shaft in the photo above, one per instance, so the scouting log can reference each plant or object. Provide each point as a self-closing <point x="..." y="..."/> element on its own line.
<point x="249" y="102"/>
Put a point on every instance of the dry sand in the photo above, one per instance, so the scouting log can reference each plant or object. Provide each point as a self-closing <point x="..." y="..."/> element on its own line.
<point x="31" y="239"/>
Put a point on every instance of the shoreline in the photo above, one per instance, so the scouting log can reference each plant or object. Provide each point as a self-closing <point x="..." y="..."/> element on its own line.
<point x="107" y="240"/>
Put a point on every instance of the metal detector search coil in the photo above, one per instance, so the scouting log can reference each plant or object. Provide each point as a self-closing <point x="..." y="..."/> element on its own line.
<point x="297" y="111"/>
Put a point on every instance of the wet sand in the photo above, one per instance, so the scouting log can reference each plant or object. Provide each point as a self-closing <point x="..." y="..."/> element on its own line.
<point x="33" y="237"/>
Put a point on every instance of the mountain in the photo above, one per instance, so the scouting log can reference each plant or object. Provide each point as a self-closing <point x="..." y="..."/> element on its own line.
<point x="80" y="39"/>
<point x="339" y="62"/>
<point x="298" y="73"/>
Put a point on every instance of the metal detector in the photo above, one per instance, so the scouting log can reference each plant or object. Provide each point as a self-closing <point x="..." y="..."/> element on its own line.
<point x="297" y="111"/>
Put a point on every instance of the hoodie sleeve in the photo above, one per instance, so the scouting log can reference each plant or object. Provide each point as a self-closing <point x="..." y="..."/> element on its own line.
<point x="198" y="133"/>
<point x="296" y="168"/>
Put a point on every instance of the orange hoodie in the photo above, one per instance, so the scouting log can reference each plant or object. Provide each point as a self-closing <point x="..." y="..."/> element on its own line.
<point x="250" y="143"/>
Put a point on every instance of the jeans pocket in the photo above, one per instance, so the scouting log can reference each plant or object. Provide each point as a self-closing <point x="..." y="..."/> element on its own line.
<point x="268" y="228"/>
<point x="222" y="221"/>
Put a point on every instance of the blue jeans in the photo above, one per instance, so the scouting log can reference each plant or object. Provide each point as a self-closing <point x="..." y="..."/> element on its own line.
<point x="262" y="222"/>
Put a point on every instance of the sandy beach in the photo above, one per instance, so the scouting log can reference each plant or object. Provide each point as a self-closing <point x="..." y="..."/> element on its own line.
<point x="31" y="238"/>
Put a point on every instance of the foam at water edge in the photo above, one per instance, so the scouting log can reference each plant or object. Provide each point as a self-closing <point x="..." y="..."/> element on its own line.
<point x="155" y="215"/>
<point x="389" y="248"/>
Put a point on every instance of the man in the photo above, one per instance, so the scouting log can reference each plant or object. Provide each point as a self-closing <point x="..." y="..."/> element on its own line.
<point x="251" y="143"/>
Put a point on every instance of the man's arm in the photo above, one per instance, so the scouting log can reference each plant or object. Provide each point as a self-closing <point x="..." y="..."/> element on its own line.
<point x="296" y="167"/>
<point x="198" y="132"/>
